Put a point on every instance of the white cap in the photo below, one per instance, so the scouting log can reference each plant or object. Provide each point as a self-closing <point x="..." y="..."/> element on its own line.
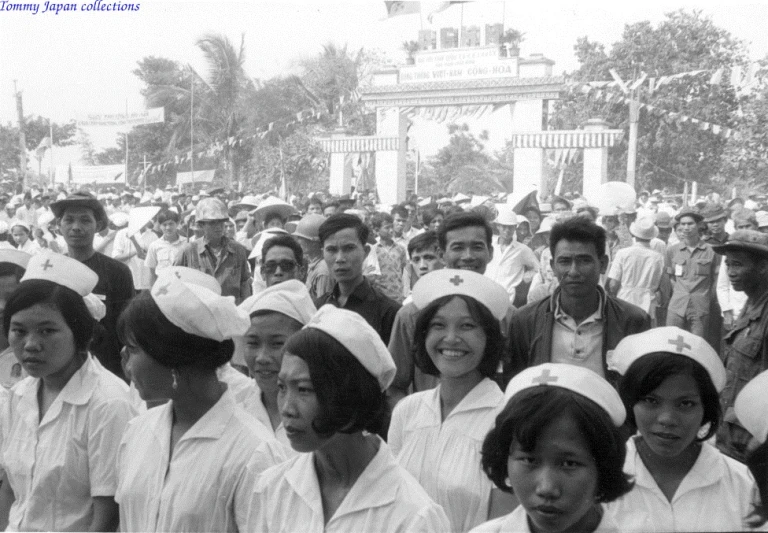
<point x="505" y="215"/>
<point x="290" y="298"/>
<point x="190" y="275"/>
<point x="17" y="257"/>
<point x="3" y="227"/>
<point x="61" y="270"/>
<point x="198" y="310"/>
<point x="357" y="336"/>
<point x="546" y="224"/>
<point x="671" y="340"/>
<point x="762" y="219"/>
<point x="752" y="405"/>
<point x="264" y="236"/>
<point x="575" y="378"/>
<point x="119" y="219"/>
<point x="45" y="219"/>
<point x="20" y="223"/>
<point x="448" y="281"/>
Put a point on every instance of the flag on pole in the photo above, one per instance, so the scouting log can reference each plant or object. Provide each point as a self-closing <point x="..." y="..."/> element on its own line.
<point x="442" y="6"/>
<point x="44" y="145"/>
<point x="395" y="9"/>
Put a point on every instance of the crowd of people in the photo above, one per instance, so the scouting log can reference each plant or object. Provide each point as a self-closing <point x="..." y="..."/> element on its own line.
<point x="238" y="362"/>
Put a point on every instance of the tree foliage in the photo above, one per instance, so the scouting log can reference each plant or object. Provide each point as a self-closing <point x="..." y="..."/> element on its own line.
<point x="669" y="152"/>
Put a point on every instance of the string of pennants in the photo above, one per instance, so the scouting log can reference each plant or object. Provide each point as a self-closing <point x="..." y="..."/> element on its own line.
<point x="740" y="78"/>
<point x="302" y="117"/>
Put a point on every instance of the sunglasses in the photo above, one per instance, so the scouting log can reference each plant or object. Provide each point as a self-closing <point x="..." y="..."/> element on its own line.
<point x="286" y="265"/>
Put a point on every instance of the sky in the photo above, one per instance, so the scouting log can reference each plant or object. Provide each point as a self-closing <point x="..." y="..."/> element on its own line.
<point x="73" y="63"/>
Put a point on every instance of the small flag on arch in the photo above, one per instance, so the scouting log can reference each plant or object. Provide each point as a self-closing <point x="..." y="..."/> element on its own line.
<point x="402" y="8"/>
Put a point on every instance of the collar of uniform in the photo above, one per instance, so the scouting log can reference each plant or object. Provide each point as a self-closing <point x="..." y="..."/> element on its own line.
<point x="708" y="469"/>
<point x="482" y="396"/>
<point x="363" y="292"/>
<point x="77" y="391"/>
<point x="202" y="245"/>
<point x="598" y="315"/>
<point x="377" y="485"/>
<point x="214" y="422"/>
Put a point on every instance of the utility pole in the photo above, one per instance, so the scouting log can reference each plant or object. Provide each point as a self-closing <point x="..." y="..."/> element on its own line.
<point x="22" y="137"/>
<point x="634" y="112"/>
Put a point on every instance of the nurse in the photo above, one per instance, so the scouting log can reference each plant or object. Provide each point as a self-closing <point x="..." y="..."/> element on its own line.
<point x="190" y="463"/>
<point x="669" y="385"/>
<point x="557" y="447"/>
<point x="61" y="426"/>
<point x="332" y="384"/>
<point x="751" y="408"/>
<point x="276" y="313"/>
<point x="437" y="434"/>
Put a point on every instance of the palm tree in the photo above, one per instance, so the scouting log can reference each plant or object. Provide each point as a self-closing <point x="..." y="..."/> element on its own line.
<point x="215" y="99"/>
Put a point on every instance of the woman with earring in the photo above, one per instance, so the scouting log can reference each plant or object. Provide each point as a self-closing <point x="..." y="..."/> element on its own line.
<point x="188" y="464"/>
<point x="670" y="385"/>
<point x="61" y="426"/>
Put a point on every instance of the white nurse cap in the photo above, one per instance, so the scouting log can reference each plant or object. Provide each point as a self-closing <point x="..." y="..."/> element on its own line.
<point x="16" y="257"/>
<point x="290" y="298"/>
<point x="575" y="378"/>
<point x="672" y="340"/>
<point x="357" y="336"/>
<point x="198" y="310"/>
<point x="61" y="270"/>
<point x="189" y="275"/>
<point x="752" y="406"/>
<point x="446" y="282"/>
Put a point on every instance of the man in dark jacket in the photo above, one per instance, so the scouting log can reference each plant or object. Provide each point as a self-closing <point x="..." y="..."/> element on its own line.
<point x="580" y="323"/>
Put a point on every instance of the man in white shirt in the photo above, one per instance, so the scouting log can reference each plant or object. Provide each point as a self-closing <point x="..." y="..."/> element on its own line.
<point x="514" y="262"/>
<point x="637" y="273"/>
<point x="163" y="252"/>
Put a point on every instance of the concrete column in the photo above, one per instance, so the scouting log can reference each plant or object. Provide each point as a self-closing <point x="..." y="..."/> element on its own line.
<point x="595" y="162"/>
<point x="390" y="166"/>
<point x="340" y="181"/>
<point x="529" y="162"/>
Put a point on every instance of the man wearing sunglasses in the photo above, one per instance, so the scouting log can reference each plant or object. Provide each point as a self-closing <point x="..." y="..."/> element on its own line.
<point x="281" y="259"/>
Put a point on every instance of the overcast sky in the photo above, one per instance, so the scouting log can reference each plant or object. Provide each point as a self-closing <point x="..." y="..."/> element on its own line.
<point x="75" y="63"/>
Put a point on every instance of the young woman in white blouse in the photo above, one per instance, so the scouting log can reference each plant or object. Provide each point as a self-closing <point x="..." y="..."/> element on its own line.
<point x="60" y="427"/>
<point x="670" y="384"/>
<point x="437" y="435"/>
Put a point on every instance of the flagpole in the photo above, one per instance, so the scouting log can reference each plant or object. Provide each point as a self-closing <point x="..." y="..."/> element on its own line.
<point x="503" y="15"/>
<point x="461" y="24"/>
<point x="126" y="145"/>
<point x="50" y="173"/>
<point x="192" y="125"/>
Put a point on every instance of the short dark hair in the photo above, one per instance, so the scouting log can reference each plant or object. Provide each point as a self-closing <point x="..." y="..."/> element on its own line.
<point x="271" y="215"/>
<point x="315" y="200"/>
<point x="350" y="397"/>
<point x="143" y="324"/>
<point x="399" y="210"/>
<point x="530" y="411"/>
<point x="167" y="215"/>
<point x="380" y="219"/>
<point x="649" y="372"/>
<point x="430" y="213"/>
<point x="66" y="301"/>
<point x="342" y="221"/>
<point x="11" y="269"/>
<point x="286" y="241"/>
<point x="463" y="220"/>
<point x="578" y="229"/>
<point x="422" y="241"/>
<point x="332" y="203"/>
<point x="494" y="342"/>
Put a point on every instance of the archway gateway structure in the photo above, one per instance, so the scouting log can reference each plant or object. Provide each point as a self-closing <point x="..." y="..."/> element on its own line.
<point x="460" y="82"/>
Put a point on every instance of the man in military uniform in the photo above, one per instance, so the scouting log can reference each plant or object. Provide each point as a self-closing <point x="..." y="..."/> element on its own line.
<point x="746" y="344"/>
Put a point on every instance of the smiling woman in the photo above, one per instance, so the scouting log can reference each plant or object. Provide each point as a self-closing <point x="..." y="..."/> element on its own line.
<point x="435" y="434"/>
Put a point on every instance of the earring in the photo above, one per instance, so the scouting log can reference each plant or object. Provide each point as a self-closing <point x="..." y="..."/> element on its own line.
<point x="508" y="482"/>
<point x="175" y="375"/>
